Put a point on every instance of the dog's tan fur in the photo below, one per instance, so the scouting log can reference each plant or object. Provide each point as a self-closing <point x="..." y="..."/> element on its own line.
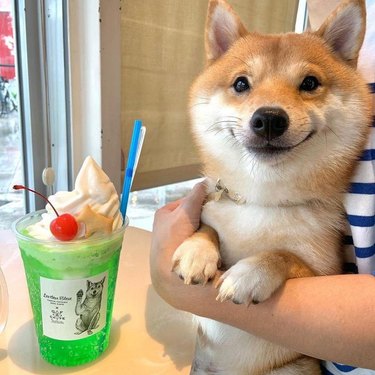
<point x="290" y="220"/>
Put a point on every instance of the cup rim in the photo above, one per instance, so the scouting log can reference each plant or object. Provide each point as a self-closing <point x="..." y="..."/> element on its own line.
<point x="78" y="241"/>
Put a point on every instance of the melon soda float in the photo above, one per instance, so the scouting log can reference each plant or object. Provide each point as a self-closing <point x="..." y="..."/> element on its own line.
<point x="71" y="253"/>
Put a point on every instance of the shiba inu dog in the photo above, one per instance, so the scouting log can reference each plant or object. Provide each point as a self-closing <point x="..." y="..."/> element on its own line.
<point x="89" y="309"/>
<point x="280" y="121"/>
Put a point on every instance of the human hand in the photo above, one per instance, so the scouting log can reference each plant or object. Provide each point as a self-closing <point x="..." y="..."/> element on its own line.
<point x="173" y="224"/>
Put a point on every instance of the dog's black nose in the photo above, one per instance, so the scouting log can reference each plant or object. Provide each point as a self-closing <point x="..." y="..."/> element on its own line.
<point x="269" y="122"/>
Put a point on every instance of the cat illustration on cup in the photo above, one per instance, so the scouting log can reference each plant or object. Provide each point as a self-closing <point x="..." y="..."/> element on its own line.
<point x="89" y="310"/>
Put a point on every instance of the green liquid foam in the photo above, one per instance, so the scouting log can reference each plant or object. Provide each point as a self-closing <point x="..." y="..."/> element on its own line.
<point x="62" y="261"/>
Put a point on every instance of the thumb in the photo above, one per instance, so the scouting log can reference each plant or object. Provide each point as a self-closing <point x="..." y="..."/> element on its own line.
<point x="193" y="202"/>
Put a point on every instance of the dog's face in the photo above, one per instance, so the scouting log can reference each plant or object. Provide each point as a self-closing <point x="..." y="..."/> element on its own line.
<point x="280" y="100"/>
<point x="94" y="289"/>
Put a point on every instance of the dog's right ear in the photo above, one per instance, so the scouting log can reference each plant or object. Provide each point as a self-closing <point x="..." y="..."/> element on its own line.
<point x="223" y="28"/>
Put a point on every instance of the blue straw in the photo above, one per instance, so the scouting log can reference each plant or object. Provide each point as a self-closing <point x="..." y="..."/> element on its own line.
<point x="130" y="167"/>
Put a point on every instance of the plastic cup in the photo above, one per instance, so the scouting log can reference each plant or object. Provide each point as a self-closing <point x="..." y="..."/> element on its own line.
<point x="3" y="302"/>
<point x="71" y="287"/>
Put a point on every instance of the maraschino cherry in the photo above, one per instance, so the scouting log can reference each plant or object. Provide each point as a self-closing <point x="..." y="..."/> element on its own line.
<point x="64" y="227"/>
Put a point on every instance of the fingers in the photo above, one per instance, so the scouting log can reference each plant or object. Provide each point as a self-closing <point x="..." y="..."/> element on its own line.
<point x="194" y="200"/>
<point x="191" y="205"/>
<point x="167" y="209"/>
<point x="171" y="206"/>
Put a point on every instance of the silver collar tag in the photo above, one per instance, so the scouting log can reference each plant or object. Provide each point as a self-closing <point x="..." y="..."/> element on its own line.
<point x="221" y="190"/>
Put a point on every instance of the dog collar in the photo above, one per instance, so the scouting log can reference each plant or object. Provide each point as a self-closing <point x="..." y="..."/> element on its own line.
<point x="222" y="191"/>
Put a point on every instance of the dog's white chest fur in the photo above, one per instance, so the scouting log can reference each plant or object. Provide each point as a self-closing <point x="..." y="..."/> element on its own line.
<point x="246" y="230"/>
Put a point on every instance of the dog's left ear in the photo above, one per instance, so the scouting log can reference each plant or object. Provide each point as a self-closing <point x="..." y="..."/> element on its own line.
<point x="344" y="30"/>
<point x="223" y="28"/>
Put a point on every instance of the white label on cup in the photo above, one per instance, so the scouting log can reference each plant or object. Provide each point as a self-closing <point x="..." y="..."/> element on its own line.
<point x="74" y="309"/>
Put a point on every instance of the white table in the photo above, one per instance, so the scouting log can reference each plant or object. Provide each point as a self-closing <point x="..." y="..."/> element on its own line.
<point x="148" y="336"/>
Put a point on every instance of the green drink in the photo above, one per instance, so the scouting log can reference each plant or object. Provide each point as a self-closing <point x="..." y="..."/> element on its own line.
<point x="71" y="287"/>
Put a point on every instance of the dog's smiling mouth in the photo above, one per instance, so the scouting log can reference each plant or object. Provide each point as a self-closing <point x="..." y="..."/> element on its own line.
<point x="273" y="150"/>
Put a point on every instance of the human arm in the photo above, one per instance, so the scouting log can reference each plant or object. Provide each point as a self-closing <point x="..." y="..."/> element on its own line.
<point x="329" y="317"/>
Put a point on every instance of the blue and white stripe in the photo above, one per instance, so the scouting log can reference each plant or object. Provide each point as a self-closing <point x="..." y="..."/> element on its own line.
<point x="337" y="369"/>
<point x="359" y="243"/>
<point x="360" y="208"/>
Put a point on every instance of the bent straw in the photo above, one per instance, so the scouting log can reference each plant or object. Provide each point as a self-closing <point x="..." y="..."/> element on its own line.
<point x="139" y="149"/>
<point x="133" y="155"/>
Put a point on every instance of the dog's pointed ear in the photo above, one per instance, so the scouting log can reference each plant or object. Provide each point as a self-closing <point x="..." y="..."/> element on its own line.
<point x="223" y="28"/>
<point x="344" y="30"/>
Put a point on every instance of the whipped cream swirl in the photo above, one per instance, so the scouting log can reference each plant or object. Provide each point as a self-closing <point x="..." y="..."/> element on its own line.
<point x="92" y="187"/>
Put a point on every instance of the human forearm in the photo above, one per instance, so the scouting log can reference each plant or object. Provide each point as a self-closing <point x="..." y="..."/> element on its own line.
<point x="325" y="317"/>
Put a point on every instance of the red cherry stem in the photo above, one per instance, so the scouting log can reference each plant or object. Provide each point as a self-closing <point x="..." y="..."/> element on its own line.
<point x="21" y="187"/>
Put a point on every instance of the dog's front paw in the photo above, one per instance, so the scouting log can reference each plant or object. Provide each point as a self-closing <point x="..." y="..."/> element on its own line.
<point x="80" y="293"/>
<point x="251" y="280"/>
<point x="196" y="260"/>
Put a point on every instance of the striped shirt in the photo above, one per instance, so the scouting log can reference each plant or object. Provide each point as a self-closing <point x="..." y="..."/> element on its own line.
<point x="360" y="200"/>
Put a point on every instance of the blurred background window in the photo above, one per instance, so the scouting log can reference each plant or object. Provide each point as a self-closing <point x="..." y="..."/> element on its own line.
<point x="34" y="120"/>
<point x="11" y="165"/>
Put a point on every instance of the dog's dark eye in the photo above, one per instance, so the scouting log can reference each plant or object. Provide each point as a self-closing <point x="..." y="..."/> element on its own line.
<point x="310" y="83"/>
<point x="241" y="84"/>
